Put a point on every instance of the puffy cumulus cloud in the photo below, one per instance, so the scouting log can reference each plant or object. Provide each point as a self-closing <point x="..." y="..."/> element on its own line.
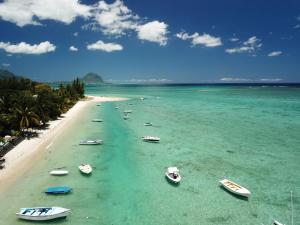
<point x="30" y="12"/>
<point x="251" y="45"/>
<point x="234" y="39"/>
<point x="114" y="18"/>
<point x="197" y="39"/>
<point x="274" y="53"/>
<point x="73" y="49"/>
<point x="24" y="48"/>
<point x="107" y="47"/>
<point x="154" y="31"/>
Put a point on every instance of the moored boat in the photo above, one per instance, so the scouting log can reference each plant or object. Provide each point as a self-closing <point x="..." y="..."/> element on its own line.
<point x="127" y="111"/>
<point x="173" y="175"/>
<point x="235" y="188"/>
<point x="150" y="139"/>
<point x="97" y="120"/>
<point x="42" y="213"/>
<point x="126" y="117"/>
<point x="59" y="172"/>
<point x="148" y="124"/>
<point x="275" y="222"/>
<point x="85" y="168"/>
<point x="91" y="142"/>
<point x="58" y="190"/>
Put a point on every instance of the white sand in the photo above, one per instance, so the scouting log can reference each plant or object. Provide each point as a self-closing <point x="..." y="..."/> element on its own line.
<point x="23" y="156"/>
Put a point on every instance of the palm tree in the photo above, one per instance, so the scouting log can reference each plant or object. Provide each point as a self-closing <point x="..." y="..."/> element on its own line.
<point x="27" y="118"/>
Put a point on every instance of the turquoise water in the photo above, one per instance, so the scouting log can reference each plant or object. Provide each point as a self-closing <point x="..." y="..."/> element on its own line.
<point x="247" y="134"/>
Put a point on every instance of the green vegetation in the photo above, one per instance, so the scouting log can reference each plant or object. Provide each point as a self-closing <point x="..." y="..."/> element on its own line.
<point x="28" y="104"/>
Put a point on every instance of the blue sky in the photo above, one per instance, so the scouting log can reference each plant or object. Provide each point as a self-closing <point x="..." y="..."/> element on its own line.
<point x="137" y="41"/>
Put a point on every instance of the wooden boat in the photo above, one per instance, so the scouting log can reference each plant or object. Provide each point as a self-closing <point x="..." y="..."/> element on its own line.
<point x="173" y="174"/>
<point x="85" y="168"/>
<point x="235" y="188"/>
<point x="275" y="222"/>
<point x="147" y="124"/>
<point x="150" y="139"/>
<point x="59" y="172"/>
<point x="97" y="120"/>
<point x="58" y="190"/>
<point x="91" y="142"/>
<point x="42" y="213"/>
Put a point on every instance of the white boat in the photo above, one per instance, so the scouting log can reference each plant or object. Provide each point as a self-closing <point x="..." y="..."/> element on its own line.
<point x="42" y="213"/>
<point x="59" y="172"/>
<point x="127" y="111"/>
<point x="275" y="222"/>
<point x="150" y="139"/>
<point x="142" y="98"/>
<point x="173" y="174"/>
<point x="85" y="168"/>
<point x="91" y="142"/>
<point x="147" y="124"/>
<point x="97" y="120"/>
<point x="116" y="107"/>
<point x="235" y="188"/>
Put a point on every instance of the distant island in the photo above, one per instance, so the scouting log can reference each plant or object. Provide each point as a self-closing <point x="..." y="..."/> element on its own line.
<point x="92" y="78"/>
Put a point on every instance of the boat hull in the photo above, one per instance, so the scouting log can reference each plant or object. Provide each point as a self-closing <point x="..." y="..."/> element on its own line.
<point x="176" y="181"/>
<point x="241" y="191"/>
<point x="59" y="215"/>
<point x="59" y="172"/>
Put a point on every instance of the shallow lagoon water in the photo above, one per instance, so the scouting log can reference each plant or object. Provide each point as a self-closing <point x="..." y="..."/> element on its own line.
<point x="247" y="134"/>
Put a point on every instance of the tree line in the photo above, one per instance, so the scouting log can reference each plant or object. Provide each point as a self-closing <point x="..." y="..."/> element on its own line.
<point x="29" y="104"/>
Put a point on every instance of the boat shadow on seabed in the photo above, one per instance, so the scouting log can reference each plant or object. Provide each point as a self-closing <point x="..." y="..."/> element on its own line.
<point x="234" y="195"/>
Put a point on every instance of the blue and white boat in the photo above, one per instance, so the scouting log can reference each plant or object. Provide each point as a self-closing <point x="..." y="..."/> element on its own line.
<point x="42" y="213"/>
<point x="58" y="190"/>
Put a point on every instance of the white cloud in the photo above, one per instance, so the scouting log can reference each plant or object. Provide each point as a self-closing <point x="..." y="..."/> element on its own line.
<point x="234" y="39"/>
<point x="275" y="53"/>
<point x="73" y="49"/>
<point x="114" y="18"/>
<point x="235" y="79"/>
<point x="6" y="64"/>
<point x="107" y="47"/>
<point x="31" y="12"/>
<point x="75" y="34"/>
<point x="249" y="46"/>
<point x="154" y="31"/>
<point x="271" y="79"/>
<point x="204" y="39"/>
<point x="297" y="26"/>
<point x="24" y="48"/>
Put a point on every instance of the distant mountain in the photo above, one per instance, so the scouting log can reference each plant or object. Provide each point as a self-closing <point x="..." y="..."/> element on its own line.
<point x="6" y="74"/>
<point x="92" y="78"/>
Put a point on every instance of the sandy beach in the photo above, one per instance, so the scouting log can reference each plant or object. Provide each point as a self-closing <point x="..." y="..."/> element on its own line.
<point x="23" y="156"/>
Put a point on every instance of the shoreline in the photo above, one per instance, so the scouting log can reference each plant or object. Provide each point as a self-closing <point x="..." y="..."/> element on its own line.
<point x="22" y="157"/>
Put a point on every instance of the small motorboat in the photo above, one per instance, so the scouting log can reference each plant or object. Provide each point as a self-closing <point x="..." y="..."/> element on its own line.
<point x="126" y="117"/>
<point x="235" y="188"/>
<point x="147" y="124"/>
<point x="42" y="213"/>
<point x="275" y="222"/>
<point x="58" y="190"/>
<point x="98" y="104"/>
<point x="150" y="139"/>
<point x="97" y="120"/>
<point x="85" y="168"/>
<point x="142" y="98"/>
<point x="59" y="172"/>
<point x="127" y="111"/>
<point x="116" y="107"/>
<point x="173" y="174"/>
<point x="91" y="142"/>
